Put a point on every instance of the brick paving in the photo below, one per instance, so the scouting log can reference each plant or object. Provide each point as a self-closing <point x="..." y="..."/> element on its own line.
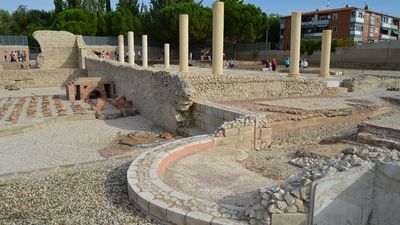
<point x="22" y="111"/>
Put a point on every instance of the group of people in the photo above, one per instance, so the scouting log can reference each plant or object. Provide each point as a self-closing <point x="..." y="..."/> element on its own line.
<point x="302" y="64"/>
<point x="108" y="55"/>
<point x="16" y="56"/>
<point x="271" y="65"/>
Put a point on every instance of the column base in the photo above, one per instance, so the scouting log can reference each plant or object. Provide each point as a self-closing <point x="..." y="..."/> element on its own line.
<point x="294" y="75"/>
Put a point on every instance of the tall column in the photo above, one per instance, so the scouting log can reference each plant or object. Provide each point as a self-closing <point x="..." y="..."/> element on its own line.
<point x="326" y="53"/>
<point x="166" y="56"/>
<point x="218" y="38"/>
<point x="121" y="53"/>
<point x="144" y="51"/>
<point x="184" y="43"/>
<point x="295" y="39"/>
<point x="131" y="48"/>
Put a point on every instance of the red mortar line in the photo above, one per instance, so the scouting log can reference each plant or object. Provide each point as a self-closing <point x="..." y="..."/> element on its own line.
<point x="17" y="110"/>
<point x="5" y="107"/>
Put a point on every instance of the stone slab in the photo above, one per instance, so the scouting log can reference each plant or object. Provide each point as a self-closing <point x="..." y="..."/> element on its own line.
<point x="289" y="219"/>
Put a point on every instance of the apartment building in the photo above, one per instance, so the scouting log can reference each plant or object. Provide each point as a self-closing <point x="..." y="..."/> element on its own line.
<point x="357" y="24"/>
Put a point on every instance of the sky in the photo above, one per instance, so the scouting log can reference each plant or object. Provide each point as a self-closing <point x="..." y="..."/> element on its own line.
<point x="282" y="7"/>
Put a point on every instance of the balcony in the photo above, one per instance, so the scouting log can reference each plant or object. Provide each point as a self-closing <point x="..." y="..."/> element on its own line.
<point x="282" y="26"/>
<point x="386" y="25"/>
<point x="315" y="23"/>
<point x="394" y="27"/>
<point x="356" y="20"/>
<point x="312" y="35"/>
<point x="388" y="37"/>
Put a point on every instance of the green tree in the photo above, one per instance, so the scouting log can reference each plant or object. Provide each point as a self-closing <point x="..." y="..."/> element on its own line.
<point x="59" y="6"/>
<point x="120" y="22"/>
<point x="5" y="23"/>
<point x="243" y="22"/>
<point x="77" y="21"/>
<point x="165" y="24"/>
<point x="157" y="5"/>
<point x="108" y="6"/>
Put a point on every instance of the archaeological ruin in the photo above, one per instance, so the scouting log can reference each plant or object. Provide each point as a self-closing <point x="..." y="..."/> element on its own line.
<point x="88" y="139"/>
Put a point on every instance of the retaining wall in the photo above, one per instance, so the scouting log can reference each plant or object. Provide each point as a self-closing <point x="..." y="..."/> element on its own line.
<point x="162" y="97"/>
<point x="367" y="195"/>
<point x="39" y="77"/>
<point x="228" y="87"/>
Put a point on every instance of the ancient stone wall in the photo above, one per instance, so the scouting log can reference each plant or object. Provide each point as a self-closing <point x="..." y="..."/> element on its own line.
<point x="365" y="83"/>
<point x="61" y="49"/>
<point x="39" y="77"/>
<point x="160" y="96"/>
<point x="225" y="88"/>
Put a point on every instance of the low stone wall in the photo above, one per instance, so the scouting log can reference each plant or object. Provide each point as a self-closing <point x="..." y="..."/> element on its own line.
<point x="228" y="87"/>
<point x="147" y="189"/>
<point x="39" y="77"/>
<point x="209" y="116"/>
<point x="162" y="97"/>
<point x="365" y="83"/>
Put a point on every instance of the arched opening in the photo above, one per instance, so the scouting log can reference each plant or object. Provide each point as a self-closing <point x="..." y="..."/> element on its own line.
<point x="94" y="94"/>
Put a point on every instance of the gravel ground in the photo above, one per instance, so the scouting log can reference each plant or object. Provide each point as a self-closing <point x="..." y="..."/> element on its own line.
<point x="64" y="143"/>
<point x="96" y="195"/>
<point x="33" y="91"/>
<point x="273" y="163"/>
<point x="220" y="178"/>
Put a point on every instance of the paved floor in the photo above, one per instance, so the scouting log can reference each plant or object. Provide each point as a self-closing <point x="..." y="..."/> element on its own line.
<point x="214" y="174"/>
<point x="63" y="143"/>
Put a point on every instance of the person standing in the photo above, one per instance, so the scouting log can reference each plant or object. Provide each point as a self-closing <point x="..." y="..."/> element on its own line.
<point x="274" y="64"/>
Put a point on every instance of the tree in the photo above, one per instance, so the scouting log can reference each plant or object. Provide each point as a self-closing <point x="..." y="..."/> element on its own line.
<point x="243" y="22"/>
<point x="77" y="21"/>
<point x="165" y="24"/>
<point x="58" y="6"/>
<point x="132" y="5"/>
<point x="157" y="5"/>
<point x="5" y="23"/>
<point x="120" y="22"/>
<point x="108" y="6"/>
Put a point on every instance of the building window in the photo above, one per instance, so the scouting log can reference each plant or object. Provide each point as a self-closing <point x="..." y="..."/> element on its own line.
<point x="335" y="16"/>
<point x="360" y="15"/>
<point x="352" y="27"/>
<point x="353" y="14"/>
<point x="334" y="29"/>
<point x="385" y="19"/>
<point x="371" y="30"/>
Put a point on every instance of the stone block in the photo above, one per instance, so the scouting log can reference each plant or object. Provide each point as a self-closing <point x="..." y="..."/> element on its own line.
<point x="158" y="209"/>
<point x="289" y="219"/>
<point x="176" y="215"/>
<point x="265" y="132"/>
<point x="231" y="132"/>
<point x="143" y="199"/>
<point x="246" y="130"/>
<point x="198" y="218"/>
<point x="181" y="195"/>
<point x="224" y="221"/>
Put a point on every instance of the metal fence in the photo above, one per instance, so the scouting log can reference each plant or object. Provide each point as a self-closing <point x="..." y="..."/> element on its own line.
<point x="13" y="40"/>
<point x="113" y="41"/>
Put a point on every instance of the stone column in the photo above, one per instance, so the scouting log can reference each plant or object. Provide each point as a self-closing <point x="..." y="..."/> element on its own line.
<point x="295" y="39"/>
<point x="131" y="48"/>
<point x="144" y="51"/>
<point x="184" y="43"/>
<point x="166" y="56"/>
<point x="121" y="51"/>
<point x="326" y="53"/>
<point x="218" y="39"/>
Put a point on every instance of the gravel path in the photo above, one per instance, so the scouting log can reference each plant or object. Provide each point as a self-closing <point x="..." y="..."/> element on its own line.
<point x="64" y="143"/>
<point x="91" y="196"/>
